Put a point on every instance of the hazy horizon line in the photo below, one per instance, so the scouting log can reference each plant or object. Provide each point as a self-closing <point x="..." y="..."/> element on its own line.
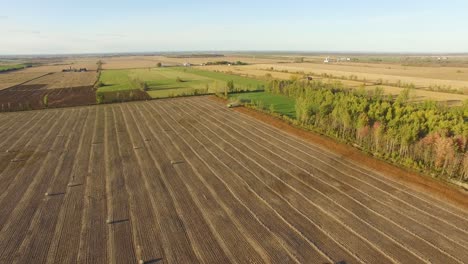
<point x="222" y="52"/>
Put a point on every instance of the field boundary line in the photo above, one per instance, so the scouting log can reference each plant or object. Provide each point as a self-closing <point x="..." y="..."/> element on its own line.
<point x="23" y="83"/>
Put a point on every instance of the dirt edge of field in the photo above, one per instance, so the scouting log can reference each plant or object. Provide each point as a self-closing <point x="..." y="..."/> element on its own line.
<point x="420" y="182"/>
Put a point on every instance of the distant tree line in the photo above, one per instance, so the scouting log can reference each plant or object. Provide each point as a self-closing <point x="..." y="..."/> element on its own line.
<point x="7" y="68"/>
<point x="99" y="64"/>
<point x="194" y="55"/>
<point x="425" y="135"/>
<point x="226" y="63"/>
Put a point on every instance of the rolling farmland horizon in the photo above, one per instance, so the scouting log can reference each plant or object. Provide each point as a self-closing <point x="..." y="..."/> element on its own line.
<point x="246" y="132"/>
<point x="189" y="180"/>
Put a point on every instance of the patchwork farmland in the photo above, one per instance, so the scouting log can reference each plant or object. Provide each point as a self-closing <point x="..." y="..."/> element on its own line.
<point x="458" y="91"/>
<point x="174" y="81"/>
<point x="190" y="181"/>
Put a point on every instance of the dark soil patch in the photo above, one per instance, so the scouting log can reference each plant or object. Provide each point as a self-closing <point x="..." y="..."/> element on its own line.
<point x="31" y="97"/>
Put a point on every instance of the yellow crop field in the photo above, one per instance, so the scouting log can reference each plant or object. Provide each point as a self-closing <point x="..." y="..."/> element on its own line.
<point x="369" y="78"/>
<point x="10" y="79"/>
<point x="127" y="62"/>
<point x="419" y="76"/>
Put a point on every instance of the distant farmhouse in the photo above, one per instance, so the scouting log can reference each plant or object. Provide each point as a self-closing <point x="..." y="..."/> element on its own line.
<point x="329" y="60"/>
<point x="75" y="70"/>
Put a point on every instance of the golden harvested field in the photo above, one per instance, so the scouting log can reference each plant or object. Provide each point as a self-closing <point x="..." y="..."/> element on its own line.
<point x="421" y="95"/>
<point x="249" y="70"/>
<point x="442" y="73"/>
<point x="128" y="62"/>
<point x="10" y="79"/>
<point x="40" y="75"/>
<point x="89" y="63"/>
<point x="261" y="70"/>
<point x="422" y="77"/>
<point x="65" y="80"/>
<point x="190" y="181"/>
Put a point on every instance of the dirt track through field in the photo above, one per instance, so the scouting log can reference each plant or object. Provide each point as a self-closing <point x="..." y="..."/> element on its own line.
<point x="190" y="181"/>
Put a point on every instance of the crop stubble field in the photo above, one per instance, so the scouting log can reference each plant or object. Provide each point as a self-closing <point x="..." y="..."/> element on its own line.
<point x="187" y="181"/>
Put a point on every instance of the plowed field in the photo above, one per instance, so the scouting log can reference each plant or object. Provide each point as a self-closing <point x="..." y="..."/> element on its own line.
<point x="190" y="181"/>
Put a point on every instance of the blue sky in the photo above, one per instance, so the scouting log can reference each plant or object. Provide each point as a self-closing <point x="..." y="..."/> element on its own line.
<point x="35" y="27"/>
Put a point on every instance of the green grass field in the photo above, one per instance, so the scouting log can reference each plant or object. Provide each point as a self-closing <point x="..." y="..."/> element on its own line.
<point x="4" y="68"/>
<point x="175" y="81"/>
<point x="281" y="104"/>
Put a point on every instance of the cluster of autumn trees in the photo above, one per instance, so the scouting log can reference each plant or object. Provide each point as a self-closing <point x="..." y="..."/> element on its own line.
<point x="425" y="135"/>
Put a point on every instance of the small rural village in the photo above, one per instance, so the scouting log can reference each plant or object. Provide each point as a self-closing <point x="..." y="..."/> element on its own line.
<point x="211" y="154"/>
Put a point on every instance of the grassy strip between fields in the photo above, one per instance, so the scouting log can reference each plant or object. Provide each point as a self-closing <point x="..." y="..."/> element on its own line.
<point x="279" y="104"/>
<point x="5" y="68"/>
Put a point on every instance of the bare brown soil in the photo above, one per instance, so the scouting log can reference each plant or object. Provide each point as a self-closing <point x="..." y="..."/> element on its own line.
<point x="421" y="182"/>
<point x="63" y="89"/>
<point x="31" y="97"/>
<point x="189" y="181"/>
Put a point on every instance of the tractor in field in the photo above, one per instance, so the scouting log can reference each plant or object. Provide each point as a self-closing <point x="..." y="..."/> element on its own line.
<point x="238" y="102"/>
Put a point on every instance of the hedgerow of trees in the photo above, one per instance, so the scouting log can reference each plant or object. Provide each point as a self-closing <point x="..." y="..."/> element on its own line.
<point x="427" y="135"/>
<point x="99" y="64"/>
<point x="226" y="63"/>
<point x="137" y="83"/>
